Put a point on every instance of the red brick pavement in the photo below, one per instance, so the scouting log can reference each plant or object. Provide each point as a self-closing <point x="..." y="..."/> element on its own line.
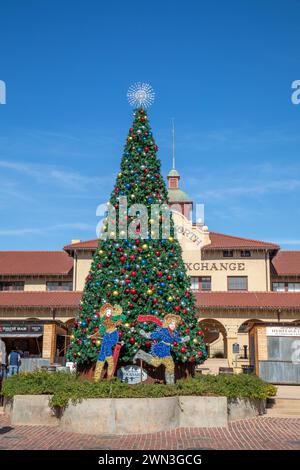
<point x="256" y="433"/>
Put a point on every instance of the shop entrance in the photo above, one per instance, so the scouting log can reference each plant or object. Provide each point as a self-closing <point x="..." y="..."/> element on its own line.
<point x="215" y="338"/>
<point x="275" y="352"/>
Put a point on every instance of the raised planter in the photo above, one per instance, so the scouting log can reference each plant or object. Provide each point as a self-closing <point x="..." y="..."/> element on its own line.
<point x="132" y="415"/>
<point x="242" y="408"/>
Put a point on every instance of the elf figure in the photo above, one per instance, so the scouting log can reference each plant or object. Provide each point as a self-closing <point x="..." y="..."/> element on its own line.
<point x="111" y="317"/>
<point x="165" y="335"/>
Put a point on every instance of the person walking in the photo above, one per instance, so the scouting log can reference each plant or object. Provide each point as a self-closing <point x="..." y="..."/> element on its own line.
<point x="14" y="362"/>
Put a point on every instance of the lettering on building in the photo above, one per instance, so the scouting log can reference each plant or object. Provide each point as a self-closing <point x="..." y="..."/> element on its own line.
<point x="212" y="266"/>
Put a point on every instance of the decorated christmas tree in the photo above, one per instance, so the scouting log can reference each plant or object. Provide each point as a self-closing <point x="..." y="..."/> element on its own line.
<point x="138" y="268"/>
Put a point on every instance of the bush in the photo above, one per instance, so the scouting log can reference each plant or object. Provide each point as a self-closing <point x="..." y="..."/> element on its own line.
<point x="65" y="387"/>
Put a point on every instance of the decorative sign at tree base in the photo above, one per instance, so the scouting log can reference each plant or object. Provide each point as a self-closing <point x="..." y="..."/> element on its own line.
<point x="132" y="374"/>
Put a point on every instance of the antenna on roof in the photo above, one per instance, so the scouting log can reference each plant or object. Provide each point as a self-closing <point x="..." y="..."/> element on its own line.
<point x="173" y="145"/>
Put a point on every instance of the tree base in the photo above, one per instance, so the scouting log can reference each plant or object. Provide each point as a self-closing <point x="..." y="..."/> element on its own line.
<point x="155" y="374"/>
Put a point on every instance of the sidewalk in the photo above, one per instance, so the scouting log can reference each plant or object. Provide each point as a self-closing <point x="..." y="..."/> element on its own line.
<point x="288" y="391"/>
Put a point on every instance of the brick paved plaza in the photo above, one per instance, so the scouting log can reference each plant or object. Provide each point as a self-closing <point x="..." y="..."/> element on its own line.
<point x="256" y="433"/>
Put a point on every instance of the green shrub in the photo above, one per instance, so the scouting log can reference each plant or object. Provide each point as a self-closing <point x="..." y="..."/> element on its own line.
<point x="64" y="387"/>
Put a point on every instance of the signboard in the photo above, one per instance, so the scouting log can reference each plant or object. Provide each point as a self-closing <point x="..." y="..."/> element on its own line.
<point x="235" y="348"/>
<point x="132" y="374"/>
<point x="71" y="365"/>
<point x="9" y="329"/>
<point x="283" y="331"/>
<point x="212" y="266"/>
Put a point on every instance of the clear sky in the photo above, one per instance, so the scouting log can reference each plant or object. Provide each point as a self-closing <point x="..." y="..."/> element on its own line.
<point x="223" y="70"/>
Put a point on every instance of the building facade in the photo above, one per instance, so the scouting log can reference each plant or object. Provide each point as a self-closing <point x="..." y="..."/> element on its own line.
<point x="238" y="282"/>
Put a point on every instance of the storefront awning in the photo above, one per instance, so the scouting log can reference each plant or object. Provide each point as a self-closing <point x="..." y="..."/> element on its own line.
<point x="20" y="335"/>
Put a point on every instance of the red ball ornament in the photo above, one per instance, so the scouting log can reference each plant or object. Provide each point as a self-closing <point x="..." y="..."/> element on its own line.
<point x="122" y="259"/>
<point x="157" y="253"/>
<point x="132" y="257"/>
<point x="121" y="334"/>
<point x="127" y="281"/>
<point x="187" y="294"/>
<point x="123" y="270"/>
<point x="176" y="308"/>
<point x="175" y="343"/>
<point x="148" y="344"/>
<point x="169" y="277"/>
<point x="200" y="353"/>
<point x="183" y="350"/>
<point x="133" y="291"/>
<point x="132" y="340"/>
<point x="74" y="355"/>
<point x="133" y="273"/>
<point x="187" y="331"/>
<point x="199" y="333"/>
<point x="159" y="274"/>
<point x="192" y="359"/>
<point x="155" y="300"/>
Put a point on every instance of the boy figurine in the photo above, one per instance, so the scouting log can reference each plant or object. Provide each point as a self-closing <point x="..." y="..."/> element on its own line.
<point x="111" y="317"/>
<point x="165" y="335"/>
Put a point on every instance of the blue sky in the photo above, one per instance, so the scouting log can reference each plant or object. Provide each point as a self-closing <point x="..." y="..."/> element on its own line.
<point x="223" y="70"/>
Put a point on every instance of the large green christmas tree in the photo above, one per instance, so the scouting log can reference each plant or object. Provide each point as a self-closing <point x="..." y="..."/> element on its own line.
<point x="146" y="276"/>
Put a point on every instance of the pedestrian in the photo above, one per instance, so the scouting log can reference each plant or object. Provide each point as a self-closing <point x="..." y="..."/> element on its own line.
<point x="14" y="362"/>
<point x="2" y="359"/>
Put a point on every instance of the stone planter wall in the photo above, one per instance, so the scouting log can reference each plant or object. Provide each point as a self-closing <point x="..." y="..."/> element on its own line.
<point x="131" y="415"/>
<point x="241" y="408"/>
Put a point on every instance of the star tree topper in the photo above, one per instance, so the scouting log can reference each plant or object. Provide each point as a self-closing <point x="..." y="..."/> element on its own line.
<point x="140" y="95"/>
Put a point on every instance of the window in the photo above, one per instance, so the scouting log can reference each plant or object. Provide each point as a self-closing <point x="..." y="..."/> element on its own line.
<point x="173" y="183"/>
<point x="206" y="283"/>
<point x="11" y="286"/>
<point x="201" y="283"/>
<point x="278" y="286"/>
<point x="237" y="282"/>
<point x="227" y="253"/>
<point x="59" y="285"/>
<point x="194" y="282"/>
<point x="294" y="286"/>
<point x="245" y="253"/>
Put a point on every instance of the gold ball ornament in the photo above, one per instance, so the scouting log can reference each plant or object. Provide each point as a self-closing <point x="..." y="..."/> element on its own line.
<point x="145" y="246"/>
<point x="149" y="291"/>
<point x="100" y="252"/>
<point x="171" y="239"/>
<point x="98" y="342"/>
<point x="120" y="175"/>
<point x="115" y="293"/>
<point x="112" y="234"/>
<point x="195" y="341"/>
<point x="170" y="298"/>
<point x="127" y="325"/>
<point x="151" y="221"/>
